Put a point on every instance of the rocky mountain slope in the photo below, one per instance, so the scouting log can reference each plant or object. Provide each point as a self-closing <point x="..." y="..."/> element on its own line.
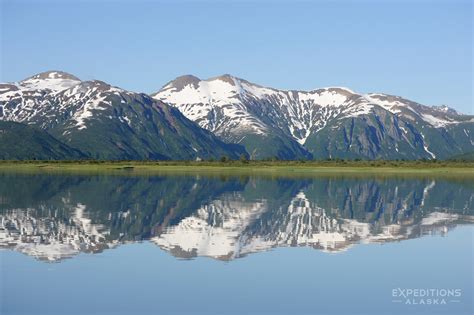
<point x="107" y="122"/>
<point x="324" y="123"/>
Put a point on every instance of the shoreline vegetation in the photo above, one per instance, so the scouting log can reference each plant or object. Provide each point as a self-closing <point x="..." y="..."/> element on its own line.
<point x="242" y="167"/>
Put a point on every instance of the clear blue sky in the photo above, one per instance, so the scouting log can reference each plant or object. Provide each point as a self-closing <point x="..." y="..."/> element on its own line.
<point x="421" y="50"/>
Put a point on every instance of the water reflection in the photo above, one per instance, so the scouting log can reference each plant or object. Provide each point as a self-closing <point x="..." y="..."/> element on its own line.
<point x="52" y="217"/>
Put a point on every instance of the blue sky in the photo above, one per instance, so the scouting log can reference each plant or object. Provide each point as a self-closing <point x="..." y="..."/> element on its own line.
<point x="421" y="50"/>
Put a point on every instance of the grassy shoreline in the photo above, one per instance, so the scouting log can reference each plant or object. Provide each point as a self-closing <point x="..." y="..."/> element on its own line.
<point x="304" y="168"/>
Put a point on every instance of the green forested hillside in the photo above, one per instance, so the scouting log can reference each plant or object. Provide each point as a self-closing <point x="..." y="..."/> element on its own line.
<point x="23" y="142"/>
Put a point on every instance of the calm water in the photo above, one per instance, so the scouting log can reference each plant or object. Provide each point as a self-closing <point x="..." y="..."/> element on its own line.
<point x="235" y="245"/>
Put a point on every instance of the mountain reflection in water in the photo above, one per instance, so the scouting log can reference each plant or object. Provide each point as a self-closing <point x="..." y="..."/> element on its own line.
<point x="52" y="217"/>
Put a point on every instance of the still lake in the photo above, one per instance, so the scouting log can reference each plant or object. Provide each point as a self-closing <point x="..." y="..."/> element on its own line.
<point x="210" y="244"/>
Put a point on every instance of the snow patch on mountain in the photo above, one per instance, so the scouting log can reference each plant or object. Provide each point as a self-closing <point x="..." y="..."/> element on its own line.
<point x="436" y="121"/>
<point x="52" y="80"/>
<point x="87" y="111"/>
<point x="207" y="91"/>
<point x="425" y="147"/>
<point x="50" y="84"/>
<point x="325" y="97"/>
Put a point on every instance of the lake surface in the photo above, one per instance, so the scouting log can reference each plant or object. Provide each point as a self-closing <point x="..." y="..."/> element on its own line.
<point x="202" y="244"/>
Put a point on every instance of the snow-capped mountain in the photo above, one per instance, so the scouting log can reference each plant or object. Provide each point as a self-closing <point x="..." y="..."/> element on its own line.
<point x="107" y="122"/>
<point x="331" y="122"/>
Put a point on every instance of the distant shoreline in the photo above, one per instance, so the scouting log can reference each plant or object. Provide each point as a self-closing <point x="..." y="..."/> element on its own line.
<point x="298" y="168"/>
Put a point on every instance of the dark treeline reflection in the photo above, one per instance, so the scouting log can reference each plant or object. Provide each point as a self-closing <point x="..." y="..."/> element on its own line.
<point x="58" y="216"/>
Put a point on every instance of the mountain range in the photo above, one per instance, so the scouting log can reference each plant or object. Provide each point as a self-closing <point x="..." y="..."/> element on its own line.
<point x="190" y="119"/>
<point x="324" y="123"/>
<point x="105" y="122"/>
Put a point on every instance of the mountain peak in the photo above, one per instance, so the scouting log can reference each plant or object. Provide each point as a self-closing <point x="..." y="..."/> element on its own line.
<point x="341" y="90"/>
<point x="96" y="83"/>
<point x="182" y="81"/>
<point x="50" y="80"/>
<point x="53" y="74"/>
<point x="445" y="109"/>
<point x="225" y="78"/>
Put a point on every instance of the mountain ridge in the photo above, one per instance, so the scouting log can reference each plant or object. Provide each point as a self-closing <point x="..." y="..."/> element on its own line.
<point x="107" y="122"/>
<point x="235" y="108"/>
<point x="190" y="118"/>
